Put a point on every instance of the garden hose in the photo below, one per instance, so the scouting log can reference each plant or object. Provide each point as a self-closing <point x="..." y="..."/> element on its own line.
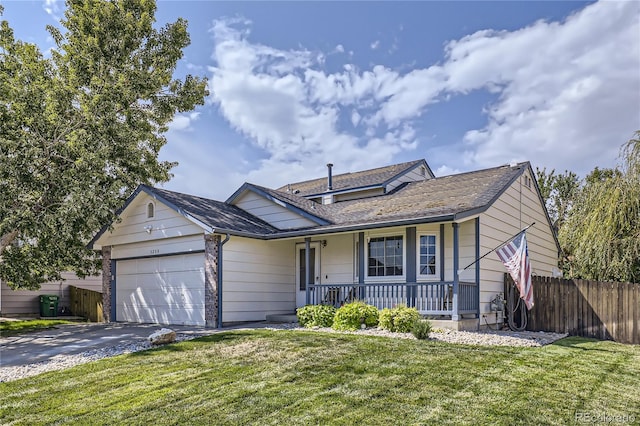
<point x="511" y="310"/>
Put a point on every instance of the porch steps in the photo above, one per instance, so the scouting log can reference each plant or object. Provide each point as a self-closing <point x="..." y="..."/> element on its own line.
<point x="282" y="318"/>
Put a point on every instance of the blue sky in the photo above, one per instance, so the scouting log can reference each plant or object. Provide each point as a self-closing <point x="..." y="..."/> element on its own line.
<point x="465" y="85"/>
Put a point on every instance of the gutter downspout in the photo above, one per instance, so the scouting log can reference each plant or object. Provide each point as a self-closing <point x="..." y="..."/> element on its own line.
<point x="220" y="244"/>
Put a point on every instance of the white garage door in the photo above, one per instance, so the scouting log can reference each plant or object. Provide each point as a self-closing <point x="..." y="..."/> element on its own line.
<point x="163" y="290"/>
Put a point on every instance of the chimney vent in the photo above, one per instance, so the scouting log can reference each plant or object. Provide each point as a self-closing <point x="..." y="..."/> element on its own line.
<point x="330" y="177"/>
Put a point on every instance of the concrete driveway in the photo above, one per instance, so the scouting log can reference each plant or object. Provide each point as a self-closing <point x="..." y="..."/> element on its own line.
<point x="71" y="339"/>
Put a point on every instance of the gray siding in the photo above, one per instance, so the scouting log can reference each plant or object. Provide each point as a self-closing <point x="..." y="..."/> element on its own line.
<point x="26" y="302"/>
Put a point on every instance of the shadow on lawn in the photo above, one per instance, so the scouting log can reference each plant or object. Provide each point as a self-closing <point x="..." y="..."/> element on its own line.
<point x="186" y="345"/>
<point x="589" y="344"/>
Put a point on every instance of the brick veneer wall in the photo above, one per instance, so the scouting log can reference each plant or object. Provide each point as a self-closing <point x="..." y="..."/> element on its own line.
<point x="211" y="247"/>
<point x="106" y="284"/>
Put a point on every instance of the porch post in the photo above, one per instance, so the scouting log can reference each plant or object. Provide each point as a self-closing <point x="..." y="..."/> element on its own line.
<point x="361" y="294"/>
<point x="442" y="252"/>
<point x="307" y="267"/>
<point x="411" y="266"/>
<point x="478" y="269"/>
<point x="456" y="278"/>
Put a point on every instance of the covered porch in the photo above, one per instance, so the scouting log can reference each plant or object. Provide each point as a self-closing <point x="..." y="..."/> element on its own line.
<point x="443" y="294"/>
<point x="439" y="299"/>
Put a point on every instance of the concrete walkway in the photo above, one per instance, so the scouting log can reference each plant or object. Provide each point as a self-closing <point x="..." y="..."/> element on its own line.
<point x="71" y="339"/>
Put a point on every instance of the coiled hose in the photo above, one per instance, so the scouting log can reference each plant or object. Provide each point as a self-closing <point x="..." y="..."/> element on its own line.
<point x="512" y="307"/>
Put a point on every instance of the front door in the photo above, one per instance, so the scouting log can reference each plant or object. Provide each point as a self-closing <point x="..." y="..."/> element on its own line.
<point x="314" y="266"/>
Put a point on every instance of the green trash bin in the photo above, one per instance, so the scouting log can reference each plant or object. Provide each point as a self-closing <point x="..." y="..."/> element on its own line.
<point x="48" y="305"/>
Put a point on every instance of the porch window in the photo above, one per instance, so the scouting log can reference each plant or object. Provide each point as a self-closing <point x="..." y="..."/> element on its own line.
<point x="427" y="255"/>
<point x="385" y="256"/>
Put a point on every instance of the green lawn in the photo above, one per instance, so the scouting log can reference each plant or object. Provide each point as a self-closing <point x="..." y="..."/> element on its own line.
<point x="12" y="328"/>
<point x="292" y="377"/>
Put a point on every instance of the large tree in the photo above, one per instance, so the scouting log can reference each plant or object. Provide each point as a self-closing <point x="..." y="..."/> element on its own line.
<point x="558" y="192"/>
<point x="81" y="129"/>
<point x="602" y="232"/>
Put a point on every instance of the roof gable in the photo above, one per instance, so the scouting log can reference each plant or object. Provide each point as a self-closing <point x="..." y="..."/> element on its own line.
<point x="454" y="196"/>
<point x="209" y="215"/>
<point x="292" y="211"/>
<point x="378" y="177"/>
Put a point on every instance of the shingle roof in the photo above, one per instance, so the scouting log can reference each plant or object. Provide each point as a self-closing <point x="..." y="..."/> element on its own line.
<point x="215" y="214"/>
<point x="346" y="181"/>
<point x="449" y="195"/>
<point x="443" y="198"/>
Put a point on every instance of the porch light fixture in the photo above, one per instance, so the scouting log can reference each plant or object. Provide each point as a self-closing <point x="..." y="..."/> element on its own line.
<point x="148" y="228"/>
<point x="324" y="243"/>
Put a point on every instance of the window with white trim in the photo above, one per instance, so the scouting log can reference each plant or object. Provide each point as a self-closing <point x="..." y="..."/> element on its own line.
<point x="385" y="256"/>
<point x="427" y="255"/>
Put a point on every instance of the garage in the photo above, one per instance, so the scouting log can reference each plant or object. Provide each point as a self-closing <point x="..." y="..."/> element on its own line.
<point x="164" y="290"/>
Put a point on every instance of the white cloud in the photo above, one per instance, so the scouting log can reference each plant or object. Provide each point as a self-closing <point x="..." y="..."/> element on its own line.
<point x="566" y="97"/>
<point x="290" y="109"/>
<point x="182" y="122"/>
<point x="445" y="170"/>
<point x="355" y="118"/>
<point x="194" y="67"/>
<point x="339" y="48"/>
<point x="52" y="8"/>
<point x="568" y="92"/>
<point x="374" y="45"/>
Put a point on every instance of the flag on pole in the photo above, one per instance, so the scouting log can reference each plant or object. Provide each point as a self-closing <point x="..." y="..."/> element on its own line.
<point x="515" y="256"/>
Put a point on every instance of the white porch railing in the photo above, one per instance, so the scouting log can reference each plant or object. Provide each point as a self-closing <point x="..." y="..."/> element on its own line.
<point x="434" y="298"/>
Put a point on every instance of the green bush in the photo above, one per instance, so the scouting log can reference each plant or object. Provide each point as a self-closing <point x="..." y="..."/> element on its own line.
<point x="399" y="319"/>
<point x="352" y="315"/>
<point x="385" y="319"/>
<point x="421" y="329"/>
<point x="316" y="316"/>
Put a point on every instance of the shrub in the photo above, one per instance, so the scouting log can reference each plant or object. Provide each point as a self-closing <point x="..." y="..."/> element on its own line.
<point x="421" y="329"/>
<point x="316" y="315"/>
<point x="399" y="319"/>
<point x="352" y="315"/>
<point x="385" y="319"/>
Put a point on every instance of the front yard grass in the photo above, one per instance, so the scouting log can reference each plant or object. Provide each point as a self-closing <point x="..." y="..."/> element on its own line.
<point x="293" y="377"/>
<point x="12" y="328"/>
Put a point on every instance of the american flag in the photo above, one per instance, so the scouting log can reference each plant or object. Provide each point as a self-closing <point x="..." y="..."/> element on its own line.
<point x="515" y="257"/>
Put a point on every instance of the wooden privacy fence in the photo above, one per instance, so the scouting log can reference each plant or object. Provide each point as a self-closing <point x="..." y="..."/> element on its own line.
<point x="602" y="310"/>
<point x="86" y="303"/>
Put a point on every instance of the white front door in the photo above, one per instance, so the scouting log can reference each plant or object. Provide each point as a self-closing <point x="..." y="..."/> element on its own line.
<point x="314" y="266"/>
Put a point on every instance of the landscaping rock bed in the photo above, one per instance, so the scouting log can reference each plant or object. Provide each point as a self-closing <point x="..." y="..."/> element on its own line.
<point x="484" y="338"/>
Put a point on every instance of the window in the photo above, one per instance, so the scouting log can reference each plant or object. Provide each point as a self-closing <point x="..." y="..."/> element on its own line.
<point x="427" y="256"/>
<point x="527" y="181"/>
<point x="385" y="256"/>
<point x="150" y="211"/>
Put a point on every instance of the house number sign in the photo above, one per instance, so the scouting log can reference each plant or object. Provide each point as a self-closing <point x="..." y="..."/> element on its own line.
<point x="154" y="251"/>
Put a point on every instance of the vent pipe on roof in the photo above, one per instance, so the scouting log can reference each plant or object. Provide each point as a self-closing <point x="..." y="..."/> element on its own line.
<point x="330" y="177"/>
